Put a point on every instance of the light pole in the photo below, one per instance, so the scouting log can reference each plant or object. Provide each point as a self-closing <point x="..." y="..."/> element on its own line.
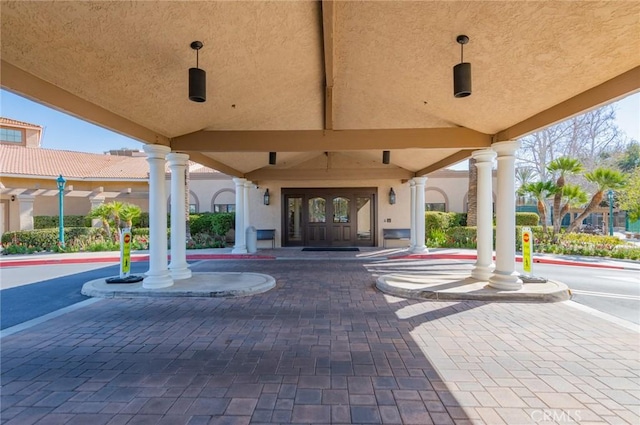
<point x="61" y="181"/>
<point x="610" y="196"/>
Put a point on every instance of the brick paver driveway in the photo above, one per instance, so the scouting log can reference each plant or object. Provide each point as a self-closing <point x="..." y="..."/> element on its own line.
<point x="323" y="347"/>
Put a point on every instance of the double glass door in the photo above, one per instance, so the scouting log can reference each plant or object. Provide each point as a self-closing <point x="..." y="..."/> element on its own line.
<point x="329" y="217"/>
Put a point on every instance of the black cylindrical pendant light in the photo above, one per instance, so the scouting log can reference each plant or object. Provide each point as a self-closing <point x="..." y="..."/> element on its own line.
<point x="462" y="72"/>
<point x="272" y="158"/>
<point x="197" y="78"/>
<point x="386" y="156"/>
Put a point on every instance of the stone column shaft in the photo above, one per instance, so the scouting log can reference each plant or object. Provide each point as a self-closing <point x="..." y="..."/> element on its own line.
<point x="412" y="188"/>
<point x="420" y="246"/>
<point x="241" y="246"/>
<point x="179" y="267"/>
<point x="158" y="275"/>
<point x="484" y="264"/>
<point x="505" y="275"/>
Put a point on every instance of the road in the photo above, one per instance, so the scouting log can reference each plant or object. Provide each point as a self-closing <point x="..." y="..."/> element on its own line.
<point x="611" y="291"/>
<point x="34" y="291"/>
<point x="48" y="288"/>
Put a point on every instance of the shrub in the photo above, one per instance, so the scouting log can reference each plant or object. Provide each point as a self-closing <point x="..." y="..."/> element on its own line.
<point x="439" y="221"/>
<point x="527" y="219"/>
<point x="215" y="224"/>
<point x="52" y="221"/>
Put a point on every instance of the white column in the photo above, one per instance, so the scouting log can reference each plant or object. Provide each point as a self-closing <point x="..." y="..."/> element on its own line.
<point x="420" y="246"/>
<point x="96" y="201"/>
<point x="247" y="218"/>
<point x="484" y="264"/>
<point x="25" y="206"/>
<point x="412" y="188"/>
<point x="241" y="245"/>
<point x="505" y="275"/>
<point x="158" y="275"/>
<point x="178" y="267"/>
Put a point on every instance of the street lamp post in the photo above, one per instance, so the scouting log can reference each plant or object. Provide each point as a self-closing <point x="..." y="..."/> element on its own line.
<point x="61" y="181"/>
<point x="610" y="196"/>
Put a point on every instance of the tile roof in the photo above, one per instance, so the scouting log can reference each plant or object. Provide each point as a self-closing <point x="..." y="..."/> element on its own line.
<point x="21" y="160"/>
<point x="9" y="121"/>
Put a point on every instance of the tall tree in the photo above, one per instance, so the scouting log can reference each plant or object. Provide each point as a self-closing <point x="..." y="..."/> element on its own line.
<point x="629" y="197"/>
<point x="561" y="167"/>
<point x="629" y="160"/>
<point x="591" y="138"/>
<point x="572" y="196"/>
<point x="604" y="179"/>
<point x="472" y="194"/>
<point x="541" y="191"/>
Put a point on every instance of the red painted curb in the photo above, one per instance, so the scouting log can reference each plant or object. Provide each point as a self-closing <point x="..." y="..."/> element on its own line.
<point x="134" y="259"/>
<point x="518" y="260"/>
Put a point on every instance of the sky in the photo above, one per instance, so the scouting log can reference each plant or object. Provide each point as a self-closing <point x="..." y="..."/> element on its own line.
<point x="65" y="132"/>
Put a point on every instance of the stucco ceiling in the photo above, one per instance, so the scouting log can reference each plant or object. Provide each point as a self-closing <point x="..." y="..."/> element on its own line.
<point x="325" y="66"/>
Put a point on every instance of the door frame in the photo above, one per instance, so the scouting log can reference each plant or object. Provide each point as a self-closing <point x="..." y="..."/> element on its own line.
<point x="307" y="193"/>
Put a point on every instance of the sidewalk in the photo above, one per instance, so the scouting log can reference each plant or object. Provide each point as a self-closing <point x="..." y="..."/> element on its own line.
<point x="324" y="346"/>
<point x="296" y="253"/>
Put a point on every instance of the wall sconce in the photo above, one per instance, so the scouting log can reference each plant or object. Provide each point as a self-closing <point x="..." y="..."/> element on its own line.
<point x="197" y="78"/>
<point x="392" y="196"/>
<point x="462" y="72"/>
<point x="266" y="197"/>
<point x="272" y="158"/>
<point x="386" y="156"/>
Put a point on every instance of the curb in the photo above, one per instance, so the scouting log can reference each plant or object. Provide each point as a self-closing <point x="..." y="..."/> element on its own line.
<point x="561" y="293"/>
<point x="201" y="285"/>
<point x="134" y="259"/>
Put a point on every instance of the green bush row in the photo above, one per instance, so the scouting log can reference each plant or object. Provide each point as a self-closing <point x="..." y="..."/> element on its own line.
<point x="52" y="221"/>
<point x="527" y="219"/>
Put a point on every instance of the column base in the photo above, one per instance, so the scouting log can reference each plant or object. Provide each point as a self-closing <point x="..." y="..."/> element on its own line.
<point x="507" y="282"/>
<point x="419" y="250"/>
<point x="180" y="272"/>
<point x="482" y="273"/>
<point x="157" y="281"/>
<point x="239" y="250"/>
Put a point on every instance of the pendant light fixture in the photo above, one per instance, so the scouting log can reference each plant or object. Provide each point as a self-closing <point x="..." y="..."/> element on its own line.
<point x="386" y="157"/>
<point x="272" y="158"/>
<point x="197" y="78"/>
<point x="462" y="72"/>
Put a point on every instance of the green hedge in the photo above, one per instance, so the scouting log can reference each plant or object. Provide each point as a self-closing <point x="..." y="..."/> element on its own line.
<point x="527" y="219"/>
<point x="436" y="222"/>
<point x="52" y="221"/>
<point x="212" y="223"/>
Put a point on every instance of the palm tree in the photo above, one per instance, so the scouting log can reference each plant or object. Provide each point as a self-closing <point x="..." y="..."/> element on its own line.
<point x="103" y="213"/>
<point x="524" y="176"/>
<point x="116" y="211"/>
<point x="564" y="166"/>
<point x="128" y="212"/>
<point x="604" y="179"/>
<point x="541" y="191"/>
<point x="572" y="196"/>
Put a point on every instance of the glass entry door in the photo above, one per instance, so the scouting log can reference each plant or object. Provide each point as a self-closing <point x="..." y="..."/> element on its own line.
<point x="329" y="217"/>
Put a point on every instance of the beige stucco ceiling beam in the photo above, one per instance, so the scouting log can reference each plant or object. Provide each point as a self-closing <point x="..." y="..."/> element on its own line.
<point x="207" y="161"/>
<point x="611" y="90"/>
<point x="330" y="140"/>
<point x="28" y="85"/>
<point x="328" y="31"/>
<point x="450" y="160"/>
<point x="330" y="174"/>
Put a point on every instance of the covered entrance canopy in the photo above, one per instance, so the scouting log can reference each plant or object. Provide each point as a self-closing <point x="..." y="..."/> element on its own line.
<point x="337" y="80"/>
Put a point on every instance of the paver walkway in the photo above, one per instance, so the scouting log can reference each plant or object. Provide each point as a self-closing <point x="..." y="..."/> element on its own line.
<point x="323" y="347"/>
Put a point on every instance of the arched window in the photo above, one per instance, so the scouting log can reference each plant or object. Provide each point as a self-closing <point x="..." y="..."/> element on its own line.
<point x="223" y="200"/>
<point x="435" y="200"/>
